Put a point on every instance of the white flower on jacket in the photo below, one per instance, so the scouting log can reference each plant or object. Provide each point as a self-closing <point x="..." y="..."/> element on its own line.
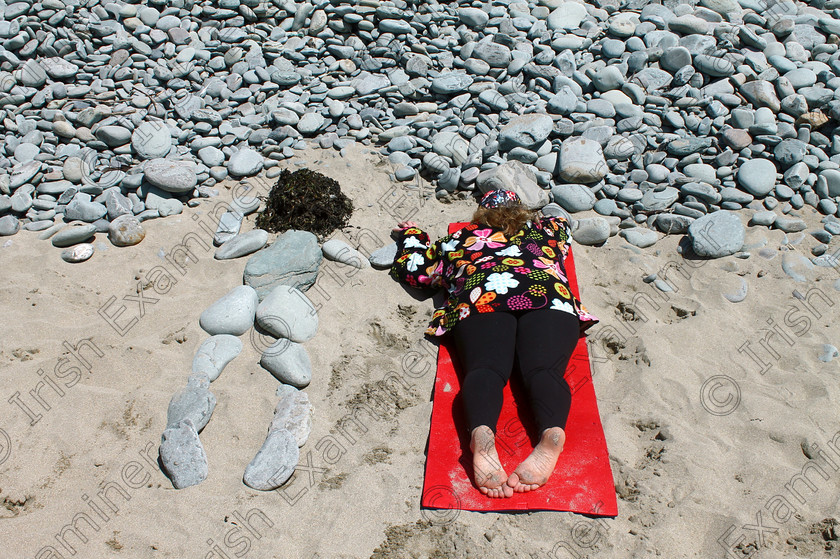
<point x="560" y="305"/>
<point x="512" y="250"/>
<point x="500" y="282"/>
<point x="412" y="242"/>
<point x="413" y="261"/>
<point x="450" y="245"/>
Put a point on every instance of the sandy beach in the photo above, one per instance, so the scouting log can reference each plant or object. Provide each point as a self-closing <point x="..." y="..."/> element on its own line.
<point x="720" y="417"/>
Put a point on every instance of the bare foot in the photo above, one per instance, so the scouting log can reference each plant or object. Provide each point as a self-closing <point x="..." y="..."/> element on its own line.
<point x="535" y="470"/>
<point x="489" y="474"/>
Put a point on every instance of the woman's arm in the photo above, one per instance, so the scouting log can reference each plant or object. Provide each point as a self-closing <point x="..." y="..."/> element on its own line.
<point x="419" y="262"/>
<point x="560" y="225"/>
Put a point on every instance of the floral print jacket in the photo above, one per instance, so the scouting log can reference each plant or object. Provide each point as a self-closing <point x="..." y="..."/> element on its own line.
<point x="483" y="271"/>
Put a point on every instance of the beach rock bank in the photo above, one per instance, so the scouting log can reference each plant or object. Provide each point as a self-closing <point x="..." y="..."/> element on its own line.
<point x="153" y="104"/>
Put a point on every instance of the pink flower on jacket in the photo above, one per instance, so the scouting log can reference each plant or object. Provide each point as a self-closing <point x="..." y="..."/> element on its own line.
<point x="552" y="267"/>
<point x="483" y="237"/>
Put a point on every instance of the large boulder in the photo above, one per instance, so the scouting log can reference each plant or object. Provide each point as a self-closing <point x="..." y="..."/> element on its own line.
<point x="525" y="131"/>
<point x="591" y="231"/>
<point x="573" y="197"/>
<point x="292" y="260"/>
<point x="582" y="161"/>
<point x="717" y="234"/>
<point x="757" y="176"/>
<point x="171" y="175"/>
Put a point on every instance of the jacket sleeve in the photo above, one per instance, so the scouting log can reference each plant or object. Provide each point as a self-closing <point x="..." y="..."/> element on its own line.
<point x="418" y="263"/>
<point x="561" y="227"/>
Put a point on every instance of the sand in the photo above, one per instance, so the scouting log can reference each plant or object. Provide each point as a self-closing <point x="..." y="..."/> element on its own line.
<point x="714" y="453"/>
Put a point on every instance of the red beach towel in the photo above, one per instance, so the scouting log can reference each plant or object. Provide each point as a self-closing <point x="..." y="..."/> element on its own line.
<point x="582" y="480"/>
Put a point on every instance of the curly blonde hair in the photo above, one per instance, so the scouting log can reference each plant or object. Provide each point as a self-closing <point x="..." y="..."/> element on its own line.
<point x="510" y="219"/>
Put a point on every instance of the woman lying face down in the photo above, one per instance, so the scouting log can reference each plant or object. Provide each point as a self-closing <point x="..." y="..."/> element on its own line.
<point x="508" y="298"/>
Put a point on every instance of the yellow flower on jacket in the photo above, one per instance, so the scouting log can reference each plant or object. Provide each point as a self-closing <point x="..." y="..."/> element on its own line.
<point x="551" y="266"/>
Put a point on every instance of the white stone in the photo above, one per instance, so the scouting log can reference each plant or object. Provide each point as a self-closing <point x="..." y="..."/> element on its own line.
<point x="170" y="175"/>
<point x="339" y="251"/>
<point x="452" y="145"/>
<point x="78" y="253"/>
<point x="183" y="456"/>
<point x="592" y="231"/>
<point x="126" y="230"/>
<point x="288" y="362"/>
<point x="293" y="413"/>
<point x="242" y="245"/>
<point x="275" y="462"/>
<point x="568" y="15"/>
<point x="215" y="353"/>
<point x="286" y="312"/>
<point x="757" y="176"/>
<point x="232" y="314"/>
<point x="245" y="163"/>
<point x="722" y="7"/>
<point x="310" y="123"/>
<point x="195" y="403"/>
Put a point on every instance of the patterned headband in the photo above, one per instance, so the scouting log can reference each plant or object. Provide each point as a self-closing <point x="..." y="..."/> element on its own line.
<point x="498" y="198"/>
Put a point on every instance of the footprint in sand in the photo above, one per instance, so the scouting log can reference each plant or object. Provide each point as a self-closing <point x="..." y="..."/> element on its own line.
<point x="626" y="349"/>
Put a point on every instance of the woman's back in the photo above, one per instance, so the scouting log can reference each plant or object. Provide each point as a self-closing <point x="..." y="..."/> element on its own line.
<point x="484" y="270"/>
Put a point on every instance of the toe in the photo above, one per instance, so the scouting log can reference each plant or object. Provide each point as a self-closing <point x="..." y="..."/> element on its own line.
<point x="513" y="480"/>
<point x="518" y="484"/>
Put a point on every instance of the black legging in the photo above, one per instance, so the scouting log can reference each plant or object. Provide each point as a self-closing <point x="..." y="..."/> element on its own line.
<point x="543" y="341"/>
